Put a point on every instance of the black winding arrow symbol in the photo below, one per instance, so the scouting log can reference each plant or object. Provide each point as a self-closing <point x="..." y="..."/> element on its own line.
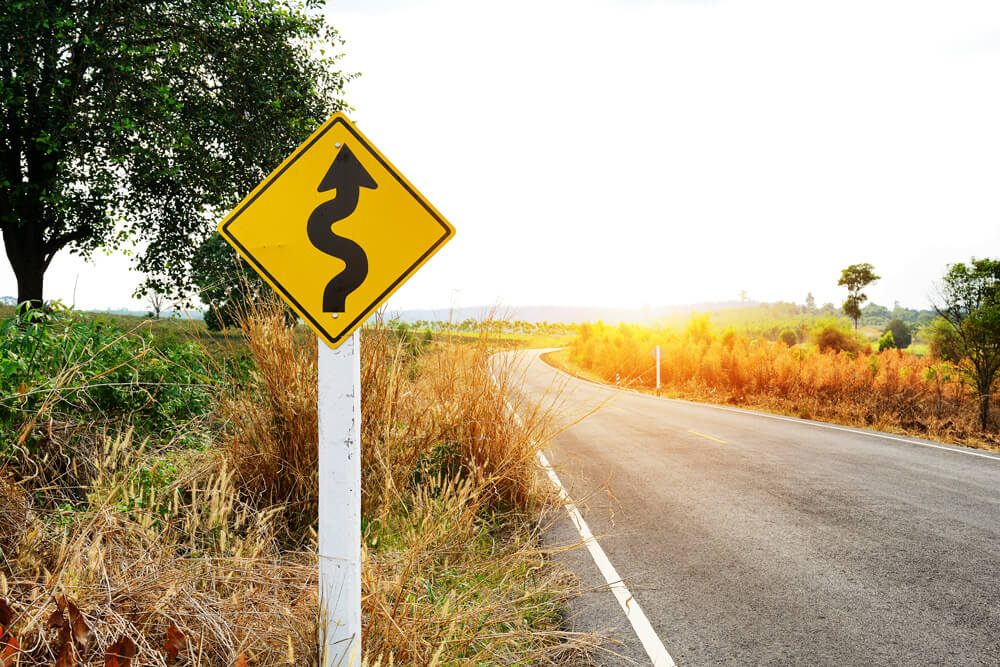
<point x="347" y="177"/>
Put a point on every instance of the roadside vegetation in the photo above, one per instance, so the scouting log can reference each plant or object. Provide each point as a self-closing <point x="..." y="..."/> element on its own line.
<point x="832" y="375"/>
<point x="817" y="367"/>
<point x="158" y="501"/>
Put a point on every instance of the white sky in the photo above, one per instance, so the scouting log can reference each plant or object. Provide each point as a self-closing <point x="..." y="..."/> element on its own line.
<point x="657" y="152"/>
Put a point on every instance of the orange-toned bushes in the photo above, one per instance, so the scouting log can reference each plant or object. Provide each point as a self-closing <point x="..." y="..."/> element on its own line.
<point x="832" y="378"/>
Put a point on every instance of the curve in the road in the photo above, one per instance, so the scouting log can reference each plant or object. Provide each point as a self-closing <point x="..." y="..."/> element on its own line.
<point x="780" y="541"/>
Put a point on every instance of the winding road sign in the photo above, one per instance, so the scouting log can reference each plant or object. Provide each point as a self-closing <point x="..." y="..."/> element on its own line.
<point x="336" y="229"/>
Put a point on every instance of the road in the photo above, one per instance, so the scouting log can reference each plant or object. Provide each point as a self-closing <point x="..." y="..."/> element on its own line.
<point x="749" y="539"/>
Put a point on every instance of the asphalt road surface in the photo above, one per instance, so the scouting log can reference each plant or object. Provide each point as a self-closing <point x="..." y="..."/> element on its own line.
<point x="749" y="539"/>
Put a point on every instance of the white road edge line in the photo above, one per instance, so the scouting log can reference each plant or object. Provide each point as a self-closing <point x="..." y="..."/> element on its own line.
<point x="655" y="649"/>
<point x="753" y="413"/>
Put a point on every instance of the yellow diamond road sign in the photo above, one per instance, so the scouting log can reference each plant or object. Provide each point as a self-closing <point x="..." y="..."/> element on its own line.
<point x="336" y="229"/>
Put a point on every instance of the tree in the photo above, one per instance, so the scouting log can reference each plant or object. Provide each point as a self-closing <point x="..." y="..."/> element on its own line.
<point x="969" y="304"/>
<point x="143" y="120"/>
<point x="226" y="284"/>
<point x="900" y="334"/>
<point x="855" y="278"/>
<point x="874" y="310"/>
<point x="788" y="337"/>
<point x="156" y="301"/>
<point x="810" y="303"/>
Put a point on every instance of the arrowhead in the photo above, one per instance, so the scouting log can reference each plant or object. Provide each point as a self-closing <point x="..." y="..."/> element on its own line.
<point x="346" y="171"/>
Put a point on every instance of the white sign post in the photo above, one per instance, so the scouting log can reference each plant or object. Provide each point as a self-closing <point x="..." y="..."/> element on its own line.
<point x="320" y="267"/>
<point x="657" y="366"/>
<point x="339" y="407"/>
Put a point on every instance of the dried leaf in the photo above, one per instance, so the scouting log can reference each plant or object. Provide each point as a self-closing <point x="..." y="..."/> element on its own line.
<point x="6" y="615"/>
<point x="176" y="642"/>
<point x="22" y="388"/>
<point x="81" y="631"/>
<point x="241" y="661"/>
<point x="66" y="658"/>
<point x="11" y="648"/>
<point x="57" y="619"/>
<point x="63" y="638"/>
<point x="120" y="653"/>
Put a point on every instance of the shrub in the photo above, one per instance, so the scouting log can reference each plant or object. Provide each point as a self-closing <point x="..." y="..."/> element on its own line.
<point x="900" y="333"/>
<point x="886" y="342"/>
<point x="828" y="335"/>
<point x="942" y="339"/>
<point x="835" y="379"/>
<point x="788" y="337"/>
<point x="57" y="361"/>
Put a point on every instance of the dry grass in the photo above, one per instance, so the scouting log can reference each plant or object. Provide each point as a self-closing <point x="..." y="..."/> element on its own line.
<point x="890" y="390"/>
<point x="138" y="556"/>
<point x="271" y="430"/>
<point x="221" y="543"/>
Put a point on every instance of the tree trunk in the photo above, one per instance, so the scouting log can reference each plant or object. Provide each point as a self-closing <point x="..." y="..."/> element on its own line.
<point x="984" y="410"/>
<point x="984" y="383"/>
<point x="29" y="283"/>
<point x="26" y="255"/>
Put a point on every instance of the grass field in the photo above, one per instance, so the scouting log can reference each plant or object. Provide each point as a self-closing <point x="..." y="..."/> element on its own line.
<point x="160" y="492"/>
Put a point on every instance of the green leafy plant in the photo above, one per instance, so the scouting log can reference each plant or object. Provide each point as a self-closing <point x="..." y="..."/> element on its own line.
<point x="54" y="360"/>
<point x="886" y="342"/>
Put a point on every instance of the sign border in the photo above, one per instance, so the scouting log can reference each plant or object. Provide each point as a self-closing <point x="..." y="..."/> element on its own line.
<point x="223" y="228"/>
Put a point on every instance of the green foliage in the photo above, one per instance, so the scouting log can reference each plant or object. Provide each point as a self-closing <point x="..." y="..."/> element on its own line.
<point x="788" y="337"/>
<point x="145" y="120"/>
<point x="226" y="284"/>
<point x="90" y="369"/>
<point x="852" y="308"/>
<point x="886" y="342"/>
<point x="970" y="306"/>
<point x="900" y="334"/>
<point x="942" y="340"/>
<point x="855" y="278"/>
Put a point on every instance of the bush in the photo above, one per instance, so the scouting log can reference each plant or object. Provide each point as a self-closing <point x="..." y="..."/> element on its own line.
<point x="942" y="340"/>
<point x="838" y="379"/>
<point x="886" y="342"/>
<point x="900" y="334"/>
<point x="788" y="337"/>
<point x="828" y="335"/>
<point x="57" y="361"/>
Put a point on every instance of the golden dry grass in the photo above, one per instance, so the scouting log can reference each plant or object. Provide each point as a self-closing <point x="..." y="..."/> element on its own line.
<point x="220" y="543"/>
<point x="891" y="390"/>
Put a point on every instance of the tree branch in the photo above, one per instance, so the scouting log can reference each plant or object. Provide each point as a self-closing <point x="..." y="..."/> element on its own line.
<point x="60" y="241"/>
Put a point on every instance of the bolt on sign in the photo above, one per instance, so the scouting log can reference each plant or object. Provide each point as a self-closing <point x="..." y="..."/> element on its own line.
<point x="336" y="229"/>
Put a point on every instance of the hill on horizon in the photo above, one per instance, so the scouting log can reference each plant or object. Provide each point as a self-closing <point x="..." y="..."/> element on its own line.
<point x="565" y="314"/>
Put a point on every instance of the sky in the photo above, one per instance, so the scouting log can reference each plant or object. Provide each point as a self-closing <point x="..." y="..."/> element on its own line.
<point x="656" y="152"/>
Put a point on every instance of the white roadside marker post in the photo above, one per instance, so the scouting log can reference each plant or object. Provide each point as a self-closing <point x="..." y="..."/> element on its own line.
<point x="657" y="366"/>
<point x="339" y="408"/>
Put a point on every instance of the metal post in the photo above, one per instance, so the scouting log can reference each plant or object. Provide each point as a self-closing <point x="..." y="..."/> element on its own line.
<point x="339" y="407"/>
<point x="657" y="366"/>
